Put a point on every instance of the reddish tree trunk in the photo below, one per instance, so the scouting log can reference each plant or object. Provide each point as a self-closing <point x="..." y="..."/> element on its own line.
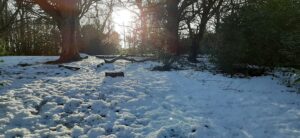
<point x="144" y="32"/>
<point x="66" y="14"/>
<point x="143" y="21"/>
<point x="68" y="31"/>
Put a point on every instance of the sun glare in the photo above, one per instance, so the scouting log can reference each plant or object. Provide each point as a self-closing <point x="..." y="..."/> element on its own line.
<point x="122" y="19"/>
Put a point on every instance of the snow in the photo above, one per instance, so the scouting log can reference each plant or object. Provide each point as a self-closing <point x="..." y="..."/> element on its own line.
<point x="47" y="101"/>
<point x="95" y="132"/>
<point x="77" y="131"/>
<point x="17" y="132"/>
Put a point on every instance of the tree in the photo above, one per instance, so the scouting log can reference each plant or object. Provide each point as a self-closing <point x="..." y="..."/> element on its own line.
<point x="99" y="24"/>
<point x="8" y="17"/>
<point x="67" y="14"/>
<point x="143" y="11"/>
<point x="175" y="13"/>
<point x="200" y="13"/>
<point x="98" y="42"/>
<point x="172" y="26"/>
<point x="143" y="20"/>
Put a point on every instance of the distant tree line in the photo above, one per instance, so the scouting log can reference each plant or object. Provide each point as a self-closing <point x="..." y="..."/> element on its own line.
<point x="235" y="33"/>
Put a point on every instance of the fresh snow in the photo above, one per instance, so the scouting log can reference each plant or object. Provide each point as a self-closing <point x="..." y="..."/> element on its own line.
<point x="47" y="101"/>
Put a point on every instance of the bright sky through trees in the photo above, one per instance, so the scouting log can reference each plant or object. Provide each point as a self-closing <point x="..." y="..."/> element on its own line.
<point x="122" y="19"/>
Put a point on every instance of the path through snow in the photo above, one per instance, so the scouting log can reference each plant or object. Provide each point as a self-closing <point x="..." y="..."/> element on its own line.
<point x="46" y="101"/>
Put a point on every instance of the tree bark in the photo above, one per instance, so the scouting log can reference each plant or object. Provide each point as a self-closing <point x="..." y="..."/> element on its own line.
<point x="143" y="22"/>
<point x="208" y="9"/>
<point x="144" y="31"/>
<point x="194" y="50"/>
<point x="79" y="39"/>
<point x="68" y="32"/>
<point x="66" y="14"/>
<point x="218" y="20"/>
<point x="196" y="41"/>
<point x="172" y="27"/>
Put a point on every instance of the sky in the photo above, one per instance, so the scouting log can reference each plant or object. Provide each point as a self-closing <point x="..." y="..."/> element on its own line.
<point x="122" y="18"/>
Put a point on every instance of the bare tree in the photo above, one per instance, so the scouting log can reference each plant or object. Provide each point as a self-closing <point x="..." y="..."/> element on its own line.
<point x="8" y="16"/>
<point x="175" y="13"/>
<point x="199" y="15"/>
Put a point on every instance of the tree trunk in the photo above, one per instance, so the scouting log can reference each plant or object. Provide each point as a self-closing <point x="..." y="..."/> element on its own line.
<point x="69" y="52"/>
<point x="144" y="32"/>
<point x="198" y="38"/>
<point x="218" y="20"/>
<point x="194" y="50"/>
<point x="195" y="47"/>
<point x="79" y="43"/>
<point x="172" y="27"/>
<point x="143" y="21"/>
<point x="66" y="14"/>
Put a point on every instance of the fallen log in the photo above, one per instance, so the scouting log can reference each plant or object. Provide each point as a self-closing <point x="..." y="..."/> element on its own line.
<point x="28" y="64"/>
<point x="24" y="64"/>
<point x="114" y="59"/>
<point x="106" y="56"/>
<point x="114" y="74"/>
<point x="69" y="67"/>
<point x="100" y="65"/>
<point x="127" y="59"/>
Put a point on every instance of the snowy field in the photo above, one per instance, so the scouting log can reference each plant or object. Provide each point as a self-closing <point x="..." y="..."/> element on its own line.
<point x="47" y="101"/>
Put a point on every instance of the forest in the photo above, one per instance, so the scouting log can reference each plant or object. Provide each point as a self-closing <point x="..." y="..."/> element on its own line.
<point x="149" y="68"/>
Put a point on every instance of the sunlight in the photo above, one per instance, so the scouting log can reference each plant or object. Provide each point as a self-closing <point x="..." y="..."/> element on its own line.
<point x="122" y="19"/>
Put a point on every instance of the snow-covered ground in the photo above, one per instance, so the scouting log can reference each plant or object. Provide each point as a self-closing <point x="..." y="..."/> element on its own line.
<point x="47" y="101"/>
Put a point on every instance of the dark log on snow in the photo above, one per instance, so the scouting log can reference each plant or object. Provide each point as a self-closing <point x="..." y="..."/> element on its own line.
<point x="114" y="74"/>
<point x="28" y="64"/>
<point x="69" y="67"/>
<point x="100" y="65"/>
<point x="24" y="64"/>
<point x="106" y="56"/>
<point x="126" y="58"/>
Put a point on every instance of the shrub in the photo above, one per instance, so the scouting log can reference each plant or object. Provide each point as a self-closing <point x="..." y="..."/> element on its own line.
<point x="263" y="33"/>
<point x="2" y="48"/>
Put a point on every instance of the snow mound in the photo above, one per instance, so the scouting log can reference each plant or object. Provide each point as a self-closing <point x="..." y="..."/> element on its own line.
<point x="170" y="132"/>
<point x="17" y="132"/>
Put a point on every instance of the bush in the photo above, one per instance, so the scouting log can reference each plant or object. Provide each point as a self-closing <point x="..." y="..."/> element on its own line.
<point x="233" y="47"/>
<point x="99" y="43"/>
<point x="263" y="33"/>
<point x="2" y="48"/>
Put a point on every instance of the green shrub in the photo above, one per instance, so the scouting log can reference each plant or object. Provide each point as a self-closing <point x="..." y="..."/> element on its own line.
<point x="263" y="33"/>
<point x="2" y="49"/>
